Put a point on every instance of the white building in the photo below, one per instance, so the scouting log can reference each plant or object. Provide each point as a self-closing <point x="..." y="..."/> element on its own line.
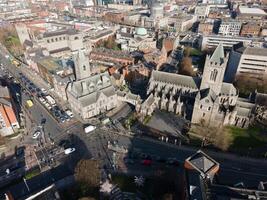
<point x="65" y="40"/>
<point x="253" y="62"/>
<point x="211" y="41"/>
<point x="231" y="28"/>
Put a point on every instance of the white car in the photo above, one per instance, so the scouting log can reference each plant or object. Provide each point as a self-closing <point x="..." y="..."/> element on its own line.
<point x="42" y="100"/>
<point x="69" y="113"/>
<point x="36" y="134"/>
<point x="69" y="150"/>
<point x="44" y="90"/>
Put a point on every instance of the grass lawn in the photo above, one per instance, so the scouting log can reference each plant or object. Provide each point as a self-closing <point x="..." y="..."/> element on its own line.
<point x="153" y="188"/>
<point x="253" y="137"/>
<point x="195" y="52"/>
<point x="32" y="173"/>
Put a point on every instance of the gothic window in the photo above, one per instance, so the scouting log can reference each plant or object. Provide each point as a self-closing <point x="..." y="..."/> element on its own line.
<point x="84" y="68"/>
<point x="213" y="75"/>
<point x="209" y="108"/>
<point x="201" y="106"/>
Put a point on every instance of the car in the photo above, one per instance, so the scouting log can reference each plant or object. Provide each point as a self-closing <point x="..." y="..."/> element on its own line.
<point x="62" y="119"/>
<point x="44" y="90"/>
<point x="147" y="162"/>
<point x="42" y="100"/>
<point x="69" y="113"/>
<point x="69" y="151"/>
<point x="43" y="120"/>
<point x="36" y="134"/>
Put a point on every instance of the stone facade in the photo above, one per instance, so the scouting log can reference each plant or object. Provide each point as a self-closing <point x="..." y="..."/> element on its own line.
<point x="207" y="99"/>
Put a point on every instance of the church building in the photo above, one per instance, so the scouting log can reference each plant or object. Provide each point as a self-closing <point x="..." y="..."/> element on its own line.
<point x="199" y="99"/>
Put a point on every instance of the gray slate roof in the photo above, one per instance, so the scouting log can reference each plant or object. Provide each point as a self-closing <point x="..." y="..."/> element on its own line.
<point x="176" y="79"/>
<point x="88" y="90"/>
<point x="203" y="163"/>
<point x="228" y="89"/>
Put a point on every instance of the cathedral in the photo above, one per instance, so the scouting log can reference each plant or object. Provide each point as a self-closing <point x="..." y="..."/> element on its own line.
<point x="205" y="99"/>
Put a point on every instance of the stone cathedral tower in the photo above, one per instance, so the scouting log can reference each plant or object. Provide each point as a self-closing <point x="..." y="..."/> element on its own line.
<point x="214" y="70"/>
<point x="82" y="65"/>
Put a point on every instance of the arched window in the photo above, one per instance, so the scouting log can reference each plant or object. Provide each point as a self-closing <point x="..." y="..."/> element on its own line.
<point x="84" y="68"/>
<point x="215" y="74"/>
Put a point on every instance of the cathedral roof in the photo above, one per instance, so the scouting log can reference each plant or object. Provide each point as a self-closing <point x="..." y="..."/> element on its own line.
<point x="176" y="79"/>
<point x="218" y="54"/>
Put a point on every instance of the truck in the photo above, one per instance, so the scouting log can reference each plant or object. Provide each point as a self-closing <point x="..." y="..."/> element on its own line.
<point x="89" y="129"/>
<point x="50" y="100"/>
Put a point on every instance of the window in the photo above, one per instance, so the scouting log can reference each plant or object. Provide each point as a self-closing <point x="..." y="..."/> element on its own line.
<point x="56" y="39"/>
<point x="201" y="106"/>
<point x="213" y="75"/>
<point x="60" y="38"/>
<point x="84" y="68"/>
<point x="64" y="38"/>
<point x="209" y="108"/>
<point x="203" y="115"/>
<point x="48" y="41"/>
<point x="76" y="38"/>
<point x="52" y="40"/>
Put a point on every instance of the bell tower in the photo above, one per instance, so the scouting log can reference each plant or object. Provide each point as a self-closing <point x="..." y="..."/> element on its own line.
<point x="82" y="65"/>
<point x="214" y="70"/>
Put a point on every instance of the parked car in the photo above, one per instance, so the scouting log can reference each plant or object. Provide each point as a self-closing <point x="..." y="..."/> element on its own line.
<point x="69" y="151"/>
<point x="69" y="113"/>
<point x="36" y="134"/>
<point x="147" y="162"/>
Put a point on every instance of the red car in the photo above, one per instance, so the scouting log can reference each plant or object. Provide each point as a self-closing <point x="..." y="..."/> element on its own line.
<point x="147" y="162"/>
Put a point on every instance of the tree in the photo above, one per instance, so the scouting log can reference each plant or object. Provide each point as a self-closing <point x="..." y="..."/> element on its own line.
<point x="247" y="84"/>
<point x="9" y="37"/>
<point x="185" y="67"/>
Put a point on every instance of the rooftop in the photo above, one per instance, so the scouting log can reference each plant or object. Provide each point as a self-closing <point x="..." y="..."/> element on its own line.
<point x="255" y="51"/>
<point x="176" y="79"/>
<point x="251" y="11"/>
<point x="50" y="64"/>
<point x="201" y="162"/>
<point x="60" y="32"/>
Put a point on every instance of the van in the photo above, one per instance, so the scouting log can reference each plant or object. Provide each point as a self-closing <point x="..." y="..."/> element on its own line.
<point x="89" y="129"/>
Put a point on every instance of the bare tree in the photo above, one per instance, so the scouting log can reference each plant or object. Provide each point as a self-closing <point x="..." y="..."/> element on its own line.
<point x="247" y="83"/>
<point x="185" y="67"/>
